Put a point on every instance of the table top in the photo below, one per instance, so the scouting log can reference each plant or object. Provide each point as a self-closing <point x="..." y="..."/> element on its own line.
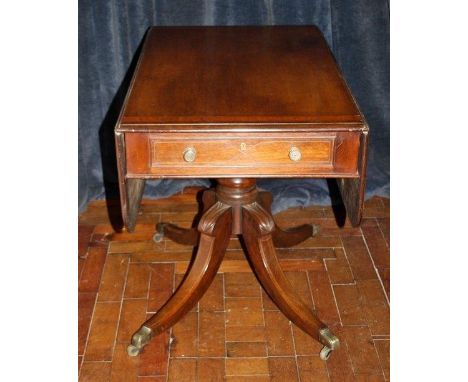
<point x="238" y="76"/>
<point x="239" y="102"/>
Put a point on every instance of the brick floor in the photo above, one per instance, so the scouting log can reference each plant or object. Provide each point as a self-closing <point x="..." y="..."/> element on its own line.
<point x="235" y="333"/>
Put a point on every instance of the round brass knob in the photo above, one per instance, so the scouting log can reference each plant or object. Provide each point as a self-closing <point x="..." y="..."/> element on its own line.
<point x="190" y="154"/>
<point x="295" y="154"/>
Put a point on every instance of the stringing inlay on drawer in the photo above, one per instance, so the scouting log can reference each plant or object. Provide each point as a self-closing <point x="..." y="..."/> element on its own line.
<point x="246" y="154"/>
<point x="229" y="152"/>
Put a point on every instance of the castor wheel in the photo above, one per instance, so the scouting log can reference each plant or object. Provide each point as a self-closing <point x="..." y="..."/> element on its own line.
<point x="315" y="230"/>
<point x="330" y="341"/>
<point x="139" y="340"/>
<point x="132" y="350"/>
<point x="325" y="353"/>
<point x="159" y="235"/>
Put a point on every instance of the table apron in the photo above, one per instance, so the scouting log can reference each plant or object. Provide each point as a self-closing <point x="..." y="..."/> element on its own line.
<point x="325" y="154"/>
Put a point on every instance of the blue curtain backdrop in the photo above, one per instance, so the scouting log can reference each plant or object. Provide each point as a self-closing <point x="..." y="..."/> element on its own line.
<point x="110" y="36"/>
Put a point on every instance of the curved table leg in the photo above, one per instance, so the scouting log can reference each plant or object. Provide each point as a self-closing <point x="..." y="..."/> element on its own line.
<point x="285" y="238"/>
<point x="185" y="236"/>
<point x="215" y="231"/>
<point x="257" y="230"/>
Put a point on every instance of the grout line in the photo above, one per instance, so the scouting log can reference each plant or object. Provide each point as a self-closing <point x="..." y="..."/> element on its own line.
<point x="197" y="362"/>
<point x="310" y="289"/>
<point x="168" y="354"/>
<point x="85" y="257"/>
<point x="150" y="278"/>
<point x="92" y="316"/>
<point x="133" y="298"/>
<point x="344" y="284"/>
<point x="336" y="303"/>
<point x="383" y="236"/>
<point x="349" y="357"/>
<point x="198" y="336"/>
<point x="247" y="375"/>
<point x="170" y="331"/>
<point x="334" y="298"/>
<point x="331" y="286"/>
<point x="295" y="351"/>
<point x="249" y="357"/>
<point x="146" y="309"/>
<point x="243" y="298"/>
<point x="264" y="326"/>
<point x="375" y="269"/>
<point x="378" y="356"/>
<point x="225" y="329"/>
<point x="120" y="311"/>
<point x="80" y="365"/>
<point x="196" y="357"/>
<point x="349" y="265"/>
<point x="328" y="371"/>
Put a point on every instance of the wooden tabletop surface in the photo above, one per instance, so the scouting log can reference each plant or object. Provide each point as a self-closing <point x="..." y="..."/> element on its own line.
<point x="238" y="75"/>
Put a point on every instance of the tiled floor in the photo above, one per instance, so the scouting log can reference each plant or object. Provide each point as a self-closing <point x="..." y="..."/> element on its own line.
<point x="235" y="333"/>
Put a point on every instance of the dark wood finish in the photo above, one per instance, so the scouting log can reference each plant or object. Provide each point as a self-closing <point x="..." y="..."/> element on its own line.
<point x="352" y="299"/>
<point x="219" y="75"/>
<point x="242" y="97"/>
<point x="244" y="154"/>
<point x="257" y="226"/>
<point x="215" y="232"/>
<point x="353" y="190"/>
<point x="238" y="210"/>
<point x="289" y="237"/>
<point x="235" y="104"/>
<point x="186" y="236"/>
<point x="281" y="238"/>
<point x="131" y="190"/>
<point x="135" y="188"/>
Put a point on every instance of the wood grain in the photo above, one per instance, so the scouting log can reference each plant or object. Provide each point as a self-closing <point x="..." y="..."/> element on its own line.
<point x="242" y="97"/>
<point x="241" y="341"/>
<point x="238" y="75"/>
<point x="245" y="102"/>
<point x="242" y="154"/>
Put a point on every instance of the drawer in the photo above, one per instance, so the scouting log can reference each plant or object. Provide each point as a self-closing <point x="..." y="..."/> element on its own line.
<point x="248" y="154"/>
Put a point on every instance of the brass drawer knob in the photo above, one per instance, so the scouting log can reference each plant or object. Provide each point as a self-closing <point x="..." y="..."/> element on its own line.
<point x="190" y="154"/>
<point x="295" y="154"/>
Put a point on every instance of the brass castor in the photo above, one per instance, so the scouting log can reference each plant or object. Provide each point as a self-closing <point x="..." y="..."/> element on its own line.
<point x="330" y="341"/>
<point x="139" y="340"/>
<point x="325" y="353"/>
<point x="315" y="230"/>
<point x="159" y="235"/>
<point x="132" y="350"/>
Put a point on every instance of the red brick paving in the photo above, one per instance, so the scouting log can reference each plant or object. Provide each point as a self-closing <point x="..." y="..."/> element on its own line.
<point x="235" y="333"/>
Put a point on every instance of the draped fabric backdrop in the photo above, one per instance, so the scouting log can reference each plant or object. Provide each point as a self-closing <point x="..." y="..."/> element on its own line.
<point x="110" y="37"/>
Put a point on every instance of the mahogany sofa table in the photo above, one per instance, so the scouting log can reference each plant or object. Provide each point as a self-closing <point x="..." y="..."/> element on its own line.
<point x="236" y="104"/>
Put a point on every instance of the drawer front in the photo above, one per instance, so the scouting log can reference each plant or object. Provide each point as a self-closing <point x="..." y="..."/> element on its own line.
<point x="273" y="154"/>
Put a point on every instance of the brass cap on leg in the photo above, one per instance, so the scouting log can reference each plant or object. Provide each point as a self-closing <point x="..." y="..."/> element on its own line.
<point x="159" y="235"/>
<point x="139" y="340"/>
<point x="315" y="230"/>
<point x="330" y="341"/>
